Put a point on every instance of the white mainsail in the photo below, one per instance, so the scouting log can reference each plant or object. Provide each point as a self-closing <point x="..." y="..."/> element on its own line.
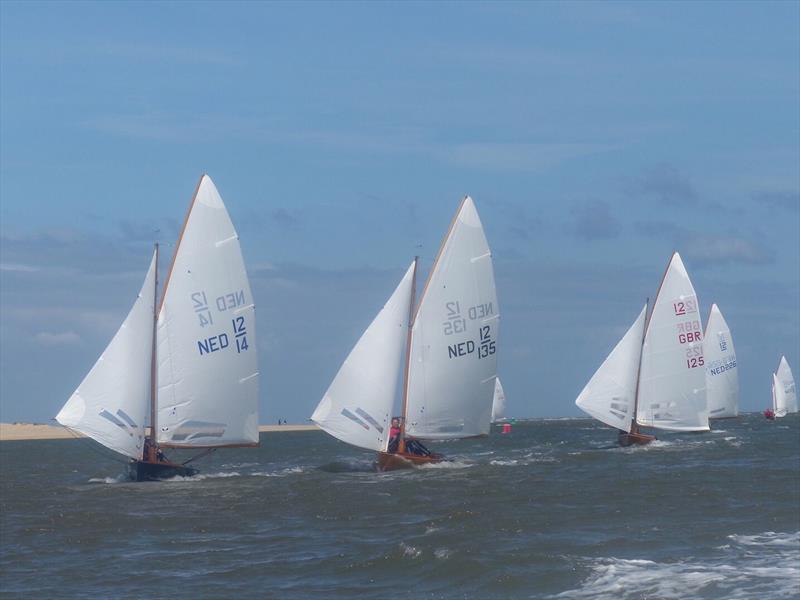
<point x="357" y="406"/>
<point x="498" y="402"/>
<point x="722" y="373"/>
<point x="786" y="380"/>
<point x="610" y="394"/>
<point x="111" y="403"/>
<point x="453" y="360"/>
<point x="207" y="363"/>
<point x="778" y="397"/>
<point x="672" y="387"/>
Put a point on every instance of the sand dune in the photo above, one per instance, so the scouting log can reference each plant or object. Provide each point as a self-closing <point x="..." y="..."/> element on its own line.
<point x="36" y="431"/>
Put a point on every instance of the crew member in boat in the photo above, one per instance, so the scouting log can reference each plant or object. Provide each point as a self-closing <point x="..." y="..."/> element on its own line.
<point x="152" y="453"/>
<point x="394" y="434"/>
<point x="412" y="446"/>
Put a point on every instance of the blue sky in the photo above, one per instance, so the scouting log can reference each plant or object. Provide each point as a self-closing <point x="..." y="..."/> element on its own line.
<point x="595" y="138"/>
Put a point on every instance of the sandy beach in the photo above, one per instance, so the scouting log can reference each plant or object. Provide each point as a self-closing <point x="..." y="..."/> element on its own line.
<point x="36" y="431"/>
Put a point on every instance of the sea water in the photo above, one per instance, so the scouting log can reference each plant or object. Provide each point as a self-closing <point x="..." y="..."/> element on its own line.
<point x="551" y="510"/>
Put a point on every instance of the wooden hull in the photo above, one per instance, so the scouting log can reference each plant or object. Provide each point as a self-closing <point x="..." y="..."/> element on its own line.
<point x="626" y="438"/>
<point x="139" y="470"/>
<point x="392" y="461"/>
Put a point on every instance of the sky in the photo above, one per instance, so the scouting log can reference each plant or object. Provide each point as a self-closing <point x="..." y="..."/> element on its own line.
<point x="595" y="138"/>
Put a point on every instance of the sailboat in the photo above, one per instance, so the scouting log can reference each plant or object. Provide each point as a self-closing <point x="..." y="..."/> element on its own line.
<point x="722" y="373"/>
<point x="498" y="402"/>
<point x="784" y="394"/>
<point x="188" y="363"/>
<point x="654" y="376"/>
<point x="445" y="346"/>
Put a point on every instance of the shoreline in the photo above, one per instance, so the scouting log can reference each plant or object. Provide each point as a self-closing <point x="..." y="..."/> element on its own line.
<point x="10" y="432"/>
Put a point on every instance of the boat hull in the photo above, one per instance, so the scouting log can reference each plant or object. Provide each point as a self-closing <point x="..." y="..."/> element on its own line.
<point x="627" y="438"/>
<point x="392" y="461"/>
<point x="139" y="470"/>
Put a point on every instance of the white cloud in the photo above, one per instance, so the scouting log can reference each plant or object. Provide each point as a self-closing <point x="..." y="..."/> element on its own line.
<point x="64" y="338"/>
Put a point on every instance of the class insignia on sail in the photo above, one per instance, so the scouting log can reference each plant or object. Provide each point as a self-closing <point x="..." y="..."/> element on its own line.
<point x="446" y="347"/>
<point x="188" y="363"/>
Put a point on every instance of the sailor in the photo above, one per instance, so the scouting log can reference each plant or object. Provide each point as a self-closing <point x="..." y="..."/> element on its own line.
<point x="394" y="434"/>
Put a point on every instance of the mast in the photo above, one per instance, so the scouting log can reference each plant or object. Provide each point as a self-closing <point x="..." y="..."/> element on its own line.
<point x="401" y="446"/>
<point x="153" y="359"/>
<point x="413" y="316"/>
<point x="639" y="370"/>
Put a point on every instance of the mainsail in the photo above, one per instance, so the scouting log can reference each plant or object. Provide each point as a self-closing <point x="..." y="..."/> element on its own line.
<point x="722" y="378"/>
<point x="110" y="404"/>
<point x="611" y="392"/>
<point x="498" y="402"/>
<point x="453" y="362"/>
<point x="672" y="387"/>
<point x="357" y="406"/>
<point x="778" y="397"/>
<point x="207" y="363"/>
<point x="785" y="379"/>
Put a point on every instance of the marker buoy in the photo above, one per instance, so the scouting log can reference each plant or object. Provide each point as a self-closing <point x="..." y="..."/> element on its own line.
<point x="506" y="427"/>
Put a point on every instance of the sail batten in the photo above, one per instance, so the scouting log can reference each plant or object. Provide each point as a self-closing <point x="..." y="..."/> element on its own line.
<point x="357" y="406"/>
<point x="111" y="403"/>
<point x="207" y="362"/>
<point x="452" y="361"/>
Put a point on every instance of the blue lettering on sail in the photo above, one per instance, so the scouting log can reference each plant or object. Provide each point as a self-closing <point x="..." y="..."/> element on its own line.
<point x="213" y="344"/>
<point x="230" y="301"/>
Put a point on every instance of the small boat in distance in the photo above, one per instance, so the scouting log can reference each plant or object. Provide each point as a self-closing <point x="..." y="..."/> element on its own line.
<point x="722" y="372"/>
<point x="654" y="376"/>
<point x="446" y="347"/>
<point x="498" y="402"/>
<point x="784" y="394"/>
<point x="188" y="363"/>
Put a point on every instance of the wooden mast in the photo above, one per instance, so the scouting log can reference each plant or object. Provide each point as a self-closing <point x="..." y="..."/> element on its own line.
<point x="634" y="427"/>
<point x="413" y="319"/>
<point x="401" y="443"/>
<point x="153" y="364"/>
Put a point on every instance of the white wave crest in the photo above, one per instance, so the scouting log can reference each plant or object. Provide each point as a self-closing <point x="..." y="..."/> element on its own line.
<point x="773" y="572"/>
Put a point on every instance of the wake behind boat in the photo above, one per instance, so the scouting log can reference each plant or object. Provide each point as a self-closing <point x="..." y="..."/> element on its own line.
<point x="446" y="347"/>
<point x="655" y="375"/>
<point x="190" y="365"/>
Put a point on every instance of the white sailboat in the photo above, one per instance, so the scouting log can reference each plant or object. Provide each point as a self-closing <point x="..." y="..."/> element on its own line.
<point x="784" y="394"/>
<point x="722" y="372"/>
<point x="449" y="342"/>
<point x="654" y="376"/>
<point x="498" y="402"/>
<point x="189" y="364"/>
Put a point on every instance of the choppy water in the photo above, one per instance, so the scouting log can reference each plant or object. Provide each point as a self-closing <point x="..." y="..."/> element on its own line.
<point x="552" y="510"/>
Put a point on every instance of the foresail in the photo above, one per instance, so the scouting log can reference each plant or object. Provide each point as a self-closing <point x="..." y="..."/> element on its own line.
<point x="357" y="406"/>
<point x="453" y="360"/>
<point x="498" y="402"/>
<point x="611" y="392"/>
<point x="778" y="397"/>
<point x="111" y="403"/>
<point x="207" y="363"/>
<point x="722" y="373"/>
<point x="784" y="375"/>
<point x="672" y="387"/>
